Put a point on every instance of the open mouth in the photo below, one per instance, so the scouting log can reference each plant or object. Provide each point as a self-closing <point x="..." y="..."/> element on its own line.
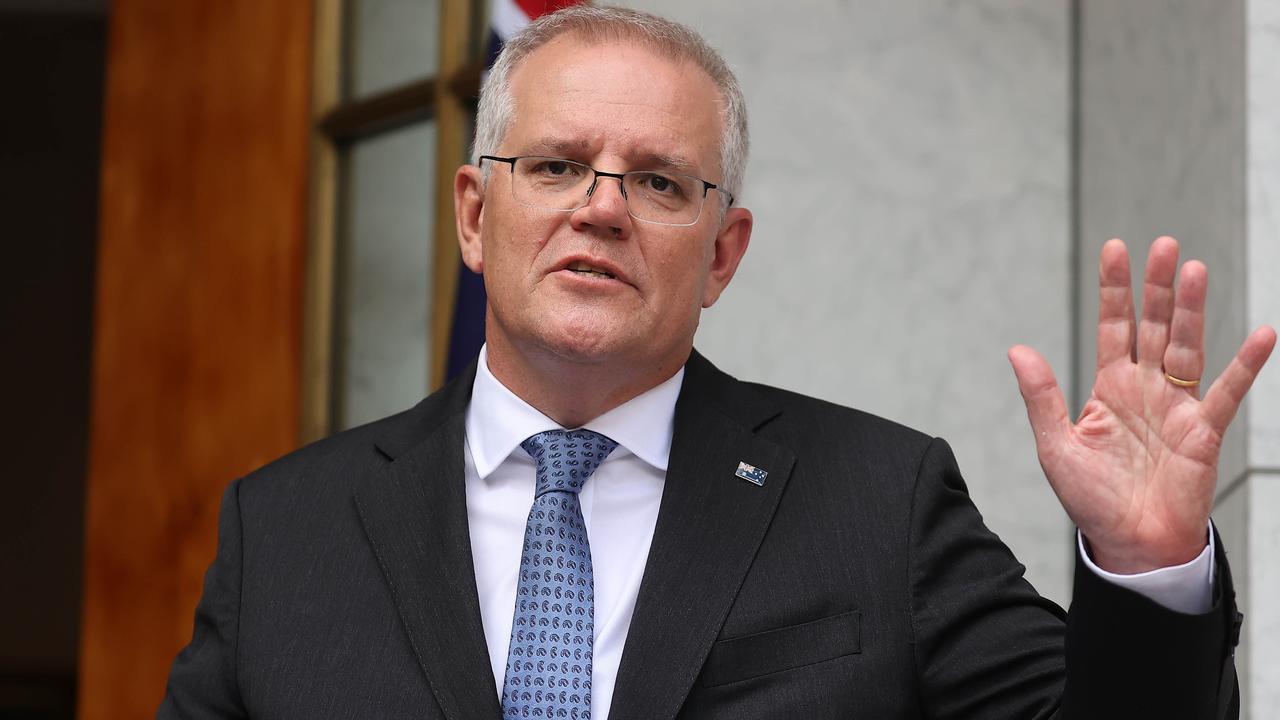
<point x="586" y="270"/>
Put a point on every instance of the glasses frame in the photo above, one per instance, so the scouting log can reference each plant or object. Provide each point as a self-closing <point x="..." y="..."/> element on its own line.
<point x="620" y="177"/>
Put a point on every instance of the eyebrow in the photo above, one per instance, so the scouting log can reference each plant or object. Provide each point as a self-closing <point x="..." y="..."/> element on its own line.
<point x="558" y="147"/>
<point x="571" y="149"/>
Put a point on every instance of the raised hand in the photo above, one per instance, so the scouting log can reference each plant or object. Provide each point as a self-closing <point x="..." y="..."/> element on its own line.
<point x="1136" y="472"/>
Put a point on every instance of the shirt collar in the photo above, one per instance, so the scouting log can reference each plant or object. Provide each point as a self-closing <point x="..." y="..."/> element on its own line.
<point x="498" y="421"/>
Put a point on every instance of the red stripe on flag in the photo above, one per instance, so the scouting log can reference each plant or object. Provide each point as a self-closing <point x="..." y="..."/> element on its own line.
<point x="537" y="8"/>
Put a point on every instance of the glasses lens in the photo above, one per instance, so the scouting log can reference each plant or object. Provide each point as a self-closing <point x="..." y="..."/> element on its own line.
<point x="550" y="182"/>
<point x="669" y="198"/>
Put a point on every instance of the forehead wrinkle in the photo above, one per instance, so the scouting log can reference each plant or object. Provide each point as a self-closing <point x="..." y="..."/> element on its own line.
<point x="665" y="161"/>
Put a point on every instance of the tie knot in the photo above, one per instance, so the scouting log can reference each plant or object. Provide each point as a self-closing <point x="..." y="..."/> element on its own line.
<point x="566" y="458"/>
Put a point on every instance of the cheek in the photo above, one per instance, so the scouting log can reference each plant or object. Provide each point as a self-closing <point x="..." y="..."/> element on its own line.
<point x="695" y="260"/>
<point x="683" y="272"/>
<point x="513" y="243"/>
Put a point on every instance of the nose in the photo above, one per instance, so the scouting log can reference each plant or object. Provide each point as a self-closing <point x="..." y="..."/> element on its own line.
<point x="605" y="209"/>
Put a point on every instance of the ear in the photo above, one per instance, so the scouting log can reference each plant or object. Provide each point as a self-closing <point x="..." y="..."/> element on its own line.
<point x="468" y="210"/>
<point x="730" y="245"/>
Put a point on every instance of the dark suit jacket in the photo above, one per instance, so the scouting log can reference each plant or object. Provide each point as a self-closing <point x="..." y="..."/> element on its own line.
<point x="858" y="582"/>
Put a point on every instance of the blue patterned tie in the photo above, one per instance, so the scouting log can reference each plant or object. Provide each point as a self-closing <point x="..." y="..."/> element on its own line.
<point x="549" y="660"/>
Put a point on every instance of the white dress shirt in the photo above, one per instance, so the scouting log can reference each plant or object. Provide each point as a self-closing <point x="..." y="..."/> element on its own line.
<point x="620" y="508"/>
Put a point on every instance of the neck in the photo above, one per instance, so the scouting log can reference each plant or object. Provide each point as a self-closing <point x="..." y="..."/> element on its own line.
<point x="573" y="391"/>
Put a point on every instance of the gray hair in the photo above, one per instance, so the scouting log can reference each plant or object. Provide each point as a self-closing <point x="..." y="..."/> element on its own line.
<point x="606" y="24"/>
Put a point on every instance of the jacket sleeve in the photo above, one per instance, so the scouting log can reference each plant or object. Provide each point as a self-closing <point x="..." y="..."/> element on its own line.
<point x="988" y="646"/>
<point x="1132" y="655"/>
<point x="202" y="683"/>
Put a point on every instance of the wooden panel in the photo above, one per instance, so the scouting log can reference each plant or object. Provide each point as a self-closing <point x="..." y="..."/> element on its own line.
<point x="196" y="357"/>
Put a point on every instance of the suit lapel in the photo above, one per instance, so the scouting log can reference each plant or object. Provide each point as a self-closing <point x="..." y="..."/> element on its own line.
<point x="414" y="512"/>
<point x="710" y="524"/>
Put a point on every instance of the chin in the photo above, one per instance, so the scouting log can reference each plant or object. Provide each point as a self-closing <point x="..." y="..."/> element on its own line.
<point x="593" y="339"/>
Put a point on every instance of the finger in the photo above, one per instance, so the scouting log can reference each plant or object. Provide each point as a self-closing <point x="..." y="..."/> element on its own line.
<point x="1224" y="398"/>
<point x="1157" y="301"/>
<point x="1115" y="305"/>
<point x="1046" y="408"/>
<point x="1184" y="357"/>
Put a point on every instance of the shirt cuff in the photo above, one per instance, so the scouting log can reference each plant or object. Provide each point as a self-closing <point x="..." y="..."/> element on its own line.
<point x="1186" y="588"/>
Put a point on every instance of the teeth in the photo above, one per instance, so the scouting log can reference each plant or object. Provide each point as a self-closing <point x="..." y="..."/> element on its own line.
<point x="584" y="269"/>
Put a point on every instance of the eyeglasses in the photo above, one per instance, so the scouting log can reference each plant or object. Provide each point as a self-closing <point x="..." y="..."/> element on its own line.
<point x="551" y="183"/>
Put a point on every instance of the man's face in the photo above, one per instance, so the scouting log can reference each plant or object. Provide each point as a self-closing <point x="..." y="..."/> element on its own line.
<point x="617" y="107"/>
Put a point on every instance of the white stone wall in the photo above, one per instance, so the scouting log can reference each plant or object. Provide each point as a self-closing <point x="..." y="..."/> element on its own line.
<point x="1262" y="416"/>
<point x="1180" y="129"/>
<point x="910" y="184"/>
<point x="1263" y="244"/>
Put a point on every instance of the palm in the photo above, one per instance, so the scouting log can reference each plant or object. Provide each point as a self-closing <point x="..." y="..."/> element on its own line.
<point x="1139" y="462"/>
<point x="1136" y="472"/>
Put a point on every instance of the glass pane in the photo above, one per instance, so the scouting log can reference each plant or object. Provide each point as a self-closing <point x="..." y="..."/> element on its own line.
<point x="391" y="42"/>
<point x="384" y="269"/>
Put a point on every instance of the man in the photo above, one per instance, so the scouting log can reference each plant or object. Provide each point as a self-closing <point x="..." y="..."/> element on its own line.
<point x="595" y="522"/>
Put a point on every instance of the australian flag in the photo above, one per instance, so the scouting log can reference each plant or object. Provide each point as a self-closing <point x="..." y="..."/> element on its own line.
<point x="751" y="473"/>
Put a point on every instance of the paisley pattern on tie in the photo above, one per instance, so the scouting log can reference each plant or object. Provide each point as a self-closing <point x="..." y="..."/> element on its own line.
<point x="549" y="659"/>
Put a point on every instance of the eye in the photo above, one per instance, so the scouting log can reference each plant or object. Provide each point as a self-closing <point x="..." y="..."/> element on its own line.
<point x="660" y="184"/>
<point x="552" y="168"/>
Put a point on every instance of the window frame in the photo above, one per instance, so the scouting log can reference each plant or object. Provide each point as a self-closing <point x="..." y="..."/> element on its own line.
<point x="448" y="98"/>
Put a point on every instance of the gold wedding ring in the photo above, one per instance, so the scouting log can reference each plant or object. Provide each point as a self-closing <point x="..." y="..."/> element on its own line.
<point x="1180" y="382"/>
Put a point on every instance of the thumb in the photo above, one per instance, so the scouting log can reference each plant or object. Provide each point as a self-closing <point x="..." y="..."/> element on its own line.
<point x="1046" y="408"/>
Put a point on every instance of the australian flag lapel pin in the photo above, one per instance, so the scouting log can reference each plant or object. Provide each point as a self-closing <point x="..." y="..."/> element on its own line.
<point x="751" y="473"/>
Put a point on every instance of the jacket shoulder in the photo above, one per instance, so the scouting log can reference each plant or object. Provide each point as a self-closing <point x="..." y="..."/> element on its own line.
<point x="348" y="455"/>
<point x="355" y="445"/>
<point x="834" y="422"/>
